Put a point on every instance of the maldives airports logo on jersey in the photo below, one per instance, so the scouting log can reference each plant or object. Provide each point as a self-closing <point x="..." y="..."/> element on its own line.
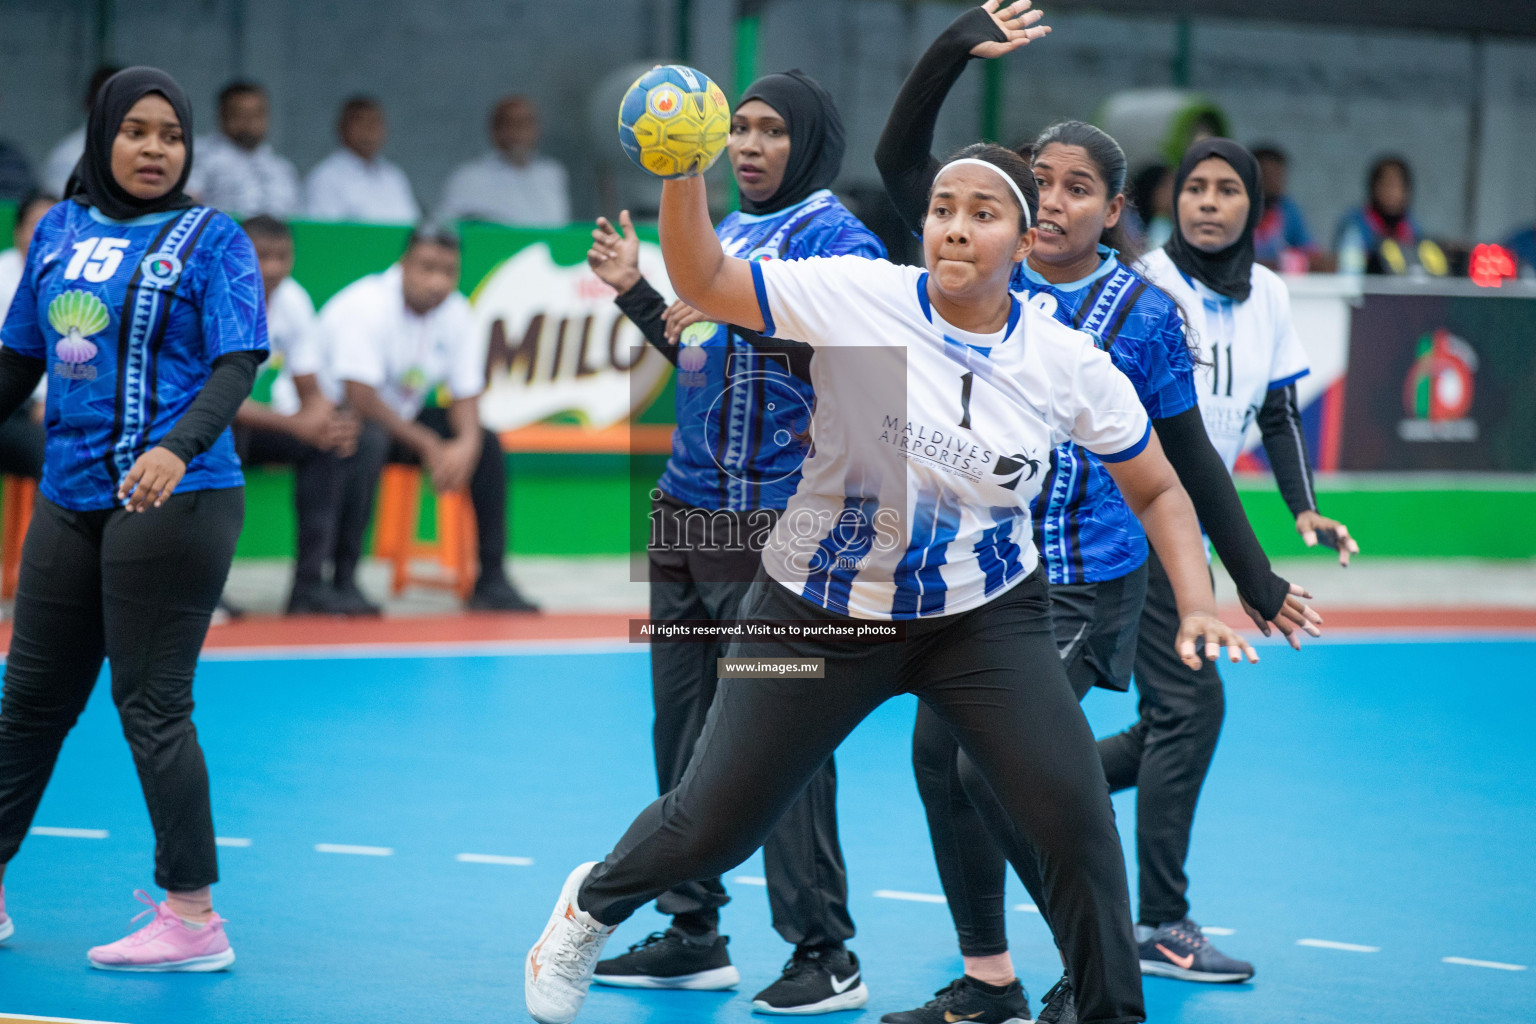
<point x="944" y="450"/>
<point x="76" y="315"/>
<point x="1012" y="468"/>
<point x="1437" y="393"/>
<point x="557" y="344"/>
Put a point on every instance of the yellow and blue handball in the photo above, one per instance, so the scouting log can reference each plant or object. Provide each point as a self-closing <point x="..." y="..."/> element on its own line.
<point x="674" y="121"/>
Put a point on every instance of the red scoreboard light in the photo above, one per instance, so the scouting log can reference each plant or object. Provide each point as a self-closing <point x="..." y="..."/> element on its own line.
<point x="1490" y="265"/>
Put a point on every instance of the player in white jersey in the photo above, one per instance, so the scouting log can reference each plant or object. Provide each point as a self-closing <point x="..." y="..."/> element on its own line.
<point x="1239" y="318"/>
<point x="938" y="396"/>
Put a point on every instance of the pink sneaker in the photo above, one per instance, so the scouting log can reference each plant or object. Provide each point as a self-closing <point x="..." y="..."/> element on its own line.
<point x="7" y="928"/>
<point x="166" y="944"/>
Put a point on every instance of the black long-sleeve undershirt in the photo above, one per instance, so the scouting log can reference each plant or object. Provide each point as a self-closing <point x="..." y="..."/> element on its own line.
<point x="904" y="154"/>
<point x="647" y="310"/>
<point x="19" y="375"/>
<point x="213" y="410"/>
<point x="1285" y="442"/>
<point x="1203" y="474"/>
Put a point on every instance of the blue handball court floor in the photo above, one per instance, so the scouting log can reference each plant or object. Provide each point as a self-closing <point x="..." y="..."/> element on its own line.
<point x="394" y="831"/>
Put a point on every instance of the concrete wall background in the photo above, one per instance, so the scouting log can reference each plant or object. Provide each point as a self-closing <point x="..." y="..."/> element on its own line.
<point x="1334" y="98"/>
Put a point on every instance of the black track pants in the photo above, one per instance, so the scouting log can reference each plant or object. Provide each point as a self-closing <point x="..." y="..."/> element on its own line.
<point x="994" y="677"/>
<point x="1166" y="754"/>
<point x="138" y="590"/>
<point x="702" y="562"/>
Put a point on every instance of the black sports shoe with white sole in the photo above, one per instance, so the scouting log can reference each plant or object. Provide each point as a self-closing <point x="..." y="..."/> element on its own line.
<point x="1060" y="1006"/>
<point x="815" y="981"/>
<point x="1181" y="951"/>
<point x="963" y="1000"/>
<point x="671" y="959"/>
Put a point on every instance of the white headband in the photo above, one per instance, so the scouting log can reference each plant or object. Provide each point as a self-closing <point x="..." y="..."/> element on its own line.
<point x="1018" y="193"/>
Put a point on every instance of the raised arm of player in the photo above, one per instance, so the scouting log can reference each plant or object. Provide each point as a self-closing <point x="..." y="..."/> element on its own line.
<point x="904" y="153"/>
<point x="1152" y="490"/>
<point x="717" y="285"/>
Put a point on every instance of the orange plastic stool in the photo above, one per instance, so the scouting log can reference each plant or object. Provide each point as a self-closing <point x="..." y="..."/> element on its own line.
<point x="15" y="515"/>
<point x="395" y="529"/>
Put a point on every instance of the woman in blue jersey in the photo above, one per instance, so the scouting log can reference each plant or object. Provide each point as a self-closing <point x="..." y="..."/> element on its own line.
<point x="145" y="310"/>
<point x="1095" y="551"/>
<point x="743" y="406"/>
<point x="937" y="391"/>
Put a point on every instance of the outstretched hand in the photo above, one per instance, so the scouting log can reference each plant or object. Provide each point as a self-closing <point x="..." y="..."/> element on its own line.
<point x="615" y="257"/>
<point x="1017" y="21"/>
<point x="1294" y="614"/>
<point x="1216" y="634"/>
<point x="1315" y="529"/>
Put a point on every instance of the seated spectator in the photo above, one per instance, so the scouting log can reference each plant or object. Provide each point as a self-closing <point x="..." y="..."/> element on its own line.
<point x="238" y="171"/>
<point x="22" y="436"/>
<point x="303" y="427"/>
<point x="356" y="183"/>
<point x="395" y="338"/>
<point x="1382" y="236"/>
<point x="1282" y="241"/>
<point x="63" y="157"/>
<point x="1522" y="245"/>
<point x="514" y="183"/>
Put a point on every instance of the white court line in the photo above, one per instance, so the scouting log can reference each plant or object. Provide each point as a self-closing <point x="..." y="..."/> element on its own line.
<point x="1482" y="963"/>
<point x="230" y="841"/>
<point x="493" y="858"/>
<point x="913" y="897"/>
<point x="445" y="649"/>
<point x="1028" y="908"/>
<point x="70" y="833"/>
<point x="361" y="851"/>
<point x="6" y="1018"/>
<point x="1348" y="947"/>
<point x="749" y="880"/>
<point x="1217" y="931"/>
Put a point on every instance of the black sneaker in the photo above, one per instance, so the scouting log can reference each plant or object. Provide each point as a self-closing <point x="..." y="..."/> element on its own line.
<point x="963" y="1000"/>
<point x="815" y="981"/>
<point x="348" y="600"/>
<point x="671" y="959"/>
<point x="495" y="593"/>
<point x="1182" y="951"/>
<point x="1060" y="1007"/>
<point x="314" y="599"/>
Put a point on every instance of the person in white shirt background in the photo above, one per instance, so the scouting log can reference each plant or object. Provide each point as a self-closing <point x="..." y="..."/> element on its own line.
<point x="395" y="339"/>
<point x="514" y="183"/>
<point x="302" y="425"/>
<point x="356" y="183"/>
<point x="66" y="153"/>
<point x="237" y="170"/>
<point x="22" y="436"/>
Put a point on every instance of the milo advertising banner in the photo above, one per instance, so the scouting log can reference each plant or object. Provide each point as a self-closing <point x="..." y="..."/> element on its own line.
<point x="557" y="347"/>
<point x="1441" y="382"/>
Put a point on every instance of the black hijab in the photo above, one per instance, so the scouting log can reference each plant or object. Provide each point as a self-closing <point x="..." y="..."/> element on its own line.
<point x="92" y="183"/>
<point x="1227" y="272"/>
<point x="815" y="137"/>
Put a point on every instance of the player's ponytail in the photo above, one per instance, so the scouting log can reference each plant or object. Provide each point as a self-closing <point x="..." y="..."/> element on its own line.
<point x="1014" y="167"/>
<point x="1109" y="158"/>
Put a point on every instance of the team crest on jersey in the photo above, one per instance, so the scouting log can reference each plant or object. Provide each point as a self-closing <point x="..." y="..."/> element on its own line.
<point x="1012" y="468"/>
<point x="763" y="255"/>
<point x="161" y="269"/>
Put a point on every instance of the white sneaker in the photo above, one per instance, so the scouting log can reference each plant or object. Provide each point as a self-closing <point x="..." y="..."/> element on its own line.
<point x="7" y="927"/>
<point x="559" y="967"/>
